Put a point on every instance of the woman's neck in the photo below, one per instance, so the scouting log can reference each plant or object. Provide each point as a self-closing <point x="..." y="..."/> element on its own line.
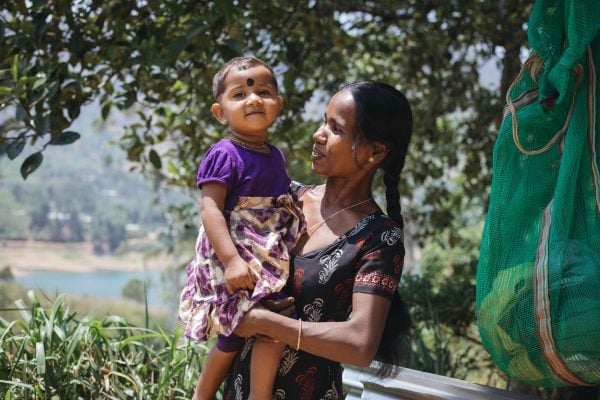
<point x="343" y="194"/>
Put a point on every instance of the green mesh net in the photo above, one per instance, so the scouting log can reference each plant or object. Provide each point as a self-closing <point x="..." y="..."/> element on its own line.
<point x="538" y="278"/>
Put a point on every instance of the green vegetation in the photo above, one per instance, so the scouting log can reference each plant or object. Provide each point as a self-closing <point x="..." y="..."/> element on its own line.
<point x="49" y="353"/>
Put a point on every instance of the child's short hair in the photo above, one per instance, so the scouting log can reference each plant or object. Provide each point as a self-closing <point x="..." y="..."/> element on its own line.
<point x="239" y="63"/>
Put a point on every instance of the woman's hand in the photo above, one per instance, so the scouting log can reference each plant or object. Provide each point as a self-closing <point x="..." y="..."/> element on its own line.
<point x="259" y="314"/>
<point x="281" y="306"/>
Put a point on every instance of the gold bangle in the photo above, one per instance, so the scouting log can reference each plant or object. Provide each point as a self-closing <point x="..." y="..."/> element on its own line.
<point x="299" y="335"/>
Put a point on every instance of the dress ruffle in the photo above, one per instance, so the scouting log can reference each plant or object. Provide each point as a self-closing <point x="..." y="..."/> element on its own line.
<point x="263" y="230"/>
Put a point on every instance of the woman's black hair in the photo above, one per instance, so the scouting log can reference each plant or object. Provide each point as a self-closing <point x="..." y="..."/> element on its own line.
<point x="384" y="115"/>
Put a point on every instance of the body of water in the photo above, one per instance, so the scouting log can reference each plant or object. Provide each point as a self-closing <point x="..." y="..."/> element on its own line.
<point x="103" y="284"/>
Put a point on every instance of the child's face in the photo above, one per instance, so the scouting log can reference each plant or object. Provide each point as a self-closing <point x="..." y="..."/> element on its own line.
<point x="249" y="103"/>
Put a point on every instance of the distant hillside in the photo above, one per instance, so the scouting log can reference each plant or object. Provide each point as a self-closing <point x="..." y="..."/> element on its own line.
<point x="83" y="192"/>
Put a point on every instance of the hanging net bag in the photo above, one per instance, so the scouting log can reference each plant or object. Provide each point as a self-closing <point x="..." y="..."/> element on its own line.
<point x="538" y="277"/>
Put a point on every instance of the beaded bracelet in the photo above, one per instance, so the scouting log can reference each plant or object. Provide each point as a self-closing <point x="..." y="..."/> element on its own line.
<point x="299" y="335"/>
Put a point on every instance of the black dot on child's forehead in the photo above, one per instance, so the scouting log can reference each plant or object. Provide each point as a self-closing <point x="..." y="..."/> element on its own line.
<point x="250" y="81"/>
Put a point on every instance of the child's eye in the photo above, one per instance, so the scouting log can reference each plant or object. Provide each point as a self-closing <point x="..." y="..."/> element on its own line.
<point x="238" y="94"/>
<point x="264" y="93"/>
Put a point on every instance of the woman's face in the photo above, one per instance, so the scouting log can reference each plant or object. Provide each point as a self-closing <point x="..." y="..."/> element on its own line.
<point x="332" y="150"/>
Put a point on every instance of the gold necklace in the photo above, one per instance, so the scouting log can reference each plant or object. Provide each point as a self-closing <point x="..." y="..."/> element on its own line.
<point x="251" y="146"/>
<point x="314" y="228"/>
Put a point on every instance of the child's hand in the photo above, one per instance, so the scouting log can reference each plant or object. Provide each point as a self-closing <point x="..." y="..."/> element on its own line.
<point x="238" y="275"/>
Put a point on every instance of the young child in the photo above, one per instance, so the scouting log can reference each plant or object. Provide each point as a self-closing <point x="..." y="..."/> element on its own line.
<point x="249" y="221"/>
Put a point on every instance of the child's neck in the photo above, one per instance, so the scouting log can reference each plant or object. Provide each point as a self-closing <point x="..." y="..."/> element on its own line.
<point x="244" y="142"/>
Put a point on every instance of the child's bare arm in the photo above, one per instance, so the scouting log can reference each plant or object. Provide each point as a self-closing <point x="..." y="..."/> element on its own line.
<point x="212" y="203"/>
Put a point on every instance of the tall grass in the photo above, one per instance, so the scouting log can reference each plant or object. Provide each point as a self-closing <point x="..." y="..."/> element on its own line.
<point x="48" y="353"/>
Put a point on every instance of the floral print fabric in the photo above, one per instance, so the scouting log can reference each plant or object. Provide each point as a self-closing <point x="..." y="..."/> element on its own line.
<point x="262" y="229"/>
<point x="367" y="259"/>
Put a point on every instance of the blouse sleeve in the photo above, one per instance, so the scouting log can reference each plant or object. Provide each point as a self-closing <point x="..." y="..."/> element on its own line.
<point x="380" y="267"/>
<point x="217" y="166"/>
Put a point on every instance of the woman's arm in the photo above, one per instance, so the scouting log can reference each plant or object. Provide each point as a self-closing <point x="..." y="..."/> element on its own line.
<point x="354" y="341"/>
<point x="212" y="204"/>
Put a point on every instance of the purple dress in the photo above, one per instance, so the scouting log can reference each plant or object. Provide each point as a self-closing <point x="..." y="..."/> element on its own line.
<point x="264" y="222"/>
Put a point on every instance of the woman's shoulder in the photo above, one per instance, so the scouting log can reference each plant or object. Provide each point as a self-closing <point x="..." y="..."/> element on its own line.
<point x="378" y="221"/>
<point x="378" y="229"/>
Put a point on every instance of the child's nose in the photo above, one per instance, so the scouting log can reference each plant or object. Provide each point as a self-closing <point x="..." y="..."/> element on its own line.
<point x="253" y="98"/>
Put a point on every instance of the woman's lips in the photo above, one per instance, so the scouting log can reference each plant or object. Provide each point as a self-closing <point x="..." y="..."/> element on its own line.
<point x="316" y="154"/>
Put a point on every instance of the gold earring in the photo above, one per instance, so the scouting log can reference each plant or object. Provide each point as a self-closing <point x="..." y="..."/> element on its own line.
<point x="371" y="159"/>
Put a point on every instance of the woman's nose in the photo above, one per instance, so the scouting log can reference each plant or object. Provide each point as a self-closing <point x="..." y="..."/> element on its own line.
<point x="320" y="135"/>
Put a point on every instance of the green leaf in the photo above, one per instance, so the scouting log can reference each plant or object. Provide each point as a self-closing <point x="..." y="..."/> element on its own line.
<point x="106" y="110"/>
<point x="66" y="137"/>
<point x="40" y="79"/>
<point x="172" y="169"/>
<point x="15" y="148"/>
<point x="155" y="159"/>
<point x="15" y="68"/>
<point x="17" y="383"/>
<point x="178" y="45"/>
<point x="40" y="356"/>
<point x="5" y="91"/>
<point x="73" y="110"/>
<point x="31" y="163"/>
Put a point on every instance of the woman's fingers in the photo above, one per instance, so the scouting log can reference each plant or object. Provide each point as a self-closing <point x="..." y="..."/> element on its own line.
<point x="282" y="306"/>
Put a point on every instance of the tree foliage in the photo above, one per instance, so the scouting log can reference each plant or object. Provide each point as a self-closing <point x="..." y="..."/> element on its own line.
<point x="156" y="59"/>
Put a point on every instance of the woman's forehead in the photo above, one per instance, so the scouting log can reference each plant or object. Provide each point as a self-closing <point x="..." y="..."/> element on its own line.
<point x="342" y="107"/>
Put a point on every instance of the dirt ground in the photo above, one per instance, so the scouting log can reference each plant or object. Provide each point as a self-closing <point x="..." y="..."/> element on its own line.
<point x="26" y="255"/>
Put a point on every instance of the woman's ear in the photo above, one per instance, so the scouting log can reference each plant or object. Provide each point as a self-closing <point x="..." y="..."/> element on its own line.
<point x="217" y="111"/>
<point x="379" y="152"/>
<point x="280" y="103"/>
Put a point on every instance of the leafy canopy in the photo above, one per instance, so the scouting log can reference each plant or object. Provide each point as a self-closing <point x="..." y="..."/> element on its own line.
<point x="155" y="59"/>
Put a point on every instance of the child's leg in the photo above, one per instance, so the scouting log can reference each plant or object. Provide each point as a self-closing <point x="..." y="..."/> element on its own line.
<point x="216" y="366"/>
<point x="266" y="356"/>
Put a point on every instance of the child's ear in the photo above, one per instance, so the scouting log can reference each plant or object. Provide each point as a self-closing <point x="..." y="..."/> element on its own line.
<point x="280" y="103"/>
<point x="217" y="111"/>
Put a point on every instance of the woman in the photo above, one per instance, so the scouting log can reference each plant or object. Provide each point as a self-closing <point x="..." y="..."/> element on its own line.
<point x="346" y="269"/>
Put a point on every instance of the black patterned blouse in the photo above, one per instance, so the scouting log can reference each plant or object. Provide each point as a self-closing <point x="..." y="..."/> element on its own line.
<point x="366" y="259"/>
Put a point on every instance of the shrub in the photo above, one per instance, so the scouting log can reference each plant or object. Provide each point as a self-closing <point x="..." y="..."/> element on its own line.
<point x="51" y="354"/>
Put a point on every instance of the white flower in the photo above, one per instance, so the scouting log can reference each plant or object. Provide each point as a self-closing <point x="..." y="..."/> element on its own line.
<point x="314" y="311"/>
<point x="329" y="263"/>
<point x="391" y="237"/>
<point x="331" y="394"/>
<point x="363" y="222"/>
<point x="288" y="360"/>
<point x="237" y="384"/>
